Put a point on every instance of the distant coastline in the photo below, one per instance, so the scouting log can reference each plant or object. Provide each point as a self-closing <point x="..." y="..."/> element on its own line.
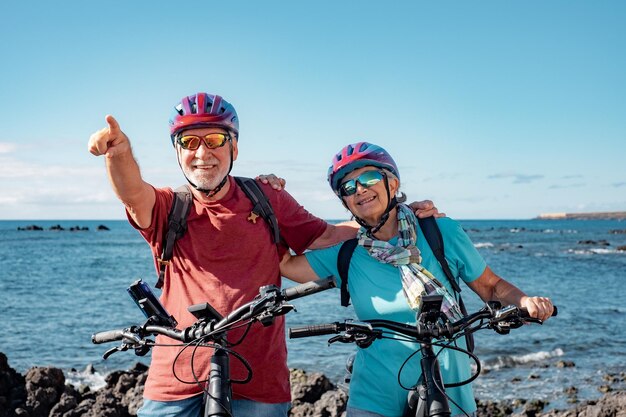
<point x="609" y="215"/>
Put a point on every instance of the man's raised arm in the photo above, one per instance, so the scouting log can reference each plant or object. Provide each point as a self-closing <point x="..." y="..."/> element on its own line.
<point x="124" y="175"/>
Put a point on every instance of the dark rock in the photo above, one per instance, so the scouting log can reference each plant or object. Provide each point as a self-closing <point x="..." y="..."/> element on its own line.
<point x="612" y="404"/>
<point x="594" y="242"/>
<point x="618" y="232"/>
<point x="533" y="408"/>
<point x="331" y="404"/>
<point x="493" y="408"/>
<point x="68" y="402"/>
<point x="565" y="364"/>
<point x="622" y="248"/>
<point x="31" y="227"/>
<point x="57" y="227"/>
<point x="103" y="227"/>
<point x="614" y="378"/>
<point x="44" y="387"/>
<point x="89" y="369"/>
<point x="12" y="388"/>
<point x="302" y="410"/>
<point x="313" y="394"/>
<point x="308" y="388"/>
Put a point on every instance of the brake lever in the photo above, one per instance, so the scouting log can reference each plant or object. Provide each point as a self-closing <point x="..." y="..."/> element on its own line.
<point x="343" y="338"/>
<point x="267" y="317"/>
<point x="122" y="348"/>
<point x="364" y="340"/>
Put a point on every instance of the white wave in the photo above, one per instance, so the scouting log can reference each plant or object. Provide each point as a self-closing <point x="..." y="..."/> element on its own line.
<point x="596" y="251"/>
<point x="515" y="360"/>
<point x="93" y="380"/>
<point x="563" y="232"/>
<point x="604" y="251"/>
<point x="483" y="245"/>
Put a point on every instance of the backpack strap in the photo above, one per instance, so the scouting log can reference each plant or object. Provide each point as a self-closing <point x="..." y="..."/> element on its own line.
<point x="261" y="204"/>
<point x="176" y="227"/>
<point x="343" y="265"/>
<point x="432" y="233"/>
<point x="435" y="241"/>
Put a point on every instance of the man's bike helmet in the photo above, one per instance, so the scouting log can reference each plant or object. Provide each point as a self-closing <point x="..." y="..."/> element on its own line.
<point x="203" y="110"/>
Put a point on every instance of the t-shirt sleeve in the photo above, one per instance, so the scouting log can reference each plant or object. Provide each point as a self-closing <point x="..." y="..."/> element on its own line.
<point x="298" y="227"/>
<point x="460" y="250"/>
<point x="155" y="232"/>
<point x="324" y="262"/>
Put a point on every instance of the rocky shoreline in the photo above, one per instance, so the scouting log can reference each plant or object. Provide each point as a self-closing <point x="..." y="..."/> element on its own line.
<point x="43" y="392"/>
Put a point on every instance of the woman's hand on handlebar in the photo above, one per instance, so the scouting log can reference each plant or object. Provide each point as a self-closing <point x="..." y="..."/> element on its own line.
<point x="538" y="307"/>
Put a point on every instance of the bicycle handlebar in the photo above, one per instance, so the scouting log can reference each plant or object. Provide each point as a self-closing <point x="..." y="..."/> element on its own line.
<point x="422" y="331"/>
<point x="269" y="303"/>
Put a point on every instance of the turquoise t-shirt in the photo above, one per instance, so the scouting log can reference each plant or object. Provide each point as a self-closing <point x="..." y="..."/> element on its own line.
<point x="376" y="293"/>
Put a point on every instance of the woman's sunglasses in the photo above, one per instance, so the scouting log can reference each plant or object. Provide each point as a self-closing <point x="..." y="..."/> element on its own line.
<point x="366" y="179"/>
<point x="211" y="141"/>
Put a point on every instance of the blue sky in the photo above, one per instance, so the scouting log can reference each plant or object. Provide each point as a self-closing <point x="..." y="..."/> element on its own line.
<point x="494" y="109"/>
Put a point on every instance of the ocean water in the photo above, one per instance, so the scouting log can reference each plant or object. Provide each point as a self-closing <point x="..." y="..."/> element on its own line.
<point x="59" y="287"/>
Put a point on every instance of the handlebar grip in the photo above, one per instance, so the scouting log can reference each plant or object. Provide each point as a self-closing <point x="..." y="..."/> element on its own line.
<point x="309" y="288"/>
<point x="524" y="312"/>
<point x="108" y="336"/>
<point x="316" y="330"/>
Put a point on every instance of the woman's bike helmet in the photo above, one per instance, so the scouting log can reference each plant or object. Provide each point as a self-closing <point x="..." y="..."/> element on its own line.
<point x="359" y="155"/>
<point x="205" y="110"/>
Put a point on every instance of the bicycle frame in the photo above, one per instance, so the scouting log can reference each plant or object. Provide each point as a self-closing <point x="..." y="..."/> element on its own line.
<point x="427" y="399"/>
<point x="217" y="399"/>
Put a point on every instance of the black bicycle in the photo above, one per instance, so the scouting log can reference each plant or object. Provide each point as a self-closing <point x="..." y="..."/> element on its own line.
<point x="428" y="397"/>
<point x="210" y="330"/>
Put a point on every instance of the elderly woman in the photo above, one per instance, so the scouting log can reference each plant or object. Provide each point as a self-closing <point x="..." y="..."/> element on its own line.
<point x="391" y="268"/>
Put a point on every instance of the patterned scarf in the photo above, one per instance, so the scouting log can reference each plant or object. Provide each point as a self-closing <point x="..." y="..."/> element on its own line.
<point x="417" y="281"/>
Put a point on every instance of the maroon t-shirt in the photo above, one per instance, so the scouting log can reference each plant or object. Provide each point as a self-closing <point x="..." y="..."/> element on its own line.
<point x="223" y="259"/>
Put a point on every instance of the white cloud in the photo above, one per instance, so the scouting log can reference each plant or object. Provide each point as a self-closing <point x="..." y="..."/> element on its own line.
<point x="517" y="178"/>
<point x="7" y="147"/>
<point x="11" y="169"/>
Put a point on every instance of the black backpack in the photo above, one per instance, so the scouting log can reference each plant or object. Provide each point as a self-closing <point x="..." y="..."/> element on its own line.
<point x="435" y="241"/>
<point x="183" y="200"/>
